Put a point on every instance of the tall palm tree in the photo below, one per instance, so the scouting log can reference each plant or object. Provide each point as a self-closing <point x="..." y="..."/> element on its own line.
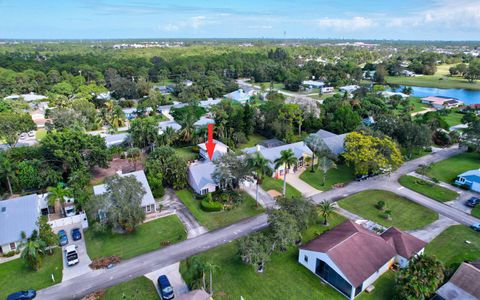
<point x="326" y="209"/>
<point x="58" y="193"/>
<point x="32" y="252"/>
<point x="7" y="171"/>
<point x="210" y="267"/>
<point x="188" y="129"/>
<point x="287" y="159"/>
<point x="116" y="118"/>
<point x="261" y="167"/>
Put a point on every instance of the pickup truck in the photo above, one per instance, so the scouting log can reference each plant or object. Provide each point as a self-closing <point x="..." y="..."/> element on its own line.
<point x="71" y="255"/>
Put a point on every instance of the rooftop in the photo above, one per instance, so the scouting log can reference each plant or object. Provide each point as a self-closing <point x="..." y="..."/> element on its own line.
<point x="463" y="285"/>
<point x="17" y="215"/>
<point x="201" y="173"/>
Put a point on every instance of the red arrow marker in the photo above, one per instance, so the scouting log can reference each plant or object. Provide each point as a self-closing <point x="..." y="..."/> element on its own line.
<point x="210" y="144"/>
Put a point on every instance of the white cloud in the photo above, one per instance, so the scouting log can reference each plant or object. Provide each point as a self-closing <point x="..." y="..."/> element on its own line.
<point x="171" y="27"/>
<point x="355" y="23"/>
<point x="197" y="21"/>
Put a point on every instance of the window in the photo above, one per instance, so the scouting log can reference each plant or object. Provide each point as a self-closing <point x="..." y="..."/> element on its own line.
<point x="147" y="208"/>
<point x="204" y="191"/>
<point x="305" y="258"/>
<point x="13" y="246"/>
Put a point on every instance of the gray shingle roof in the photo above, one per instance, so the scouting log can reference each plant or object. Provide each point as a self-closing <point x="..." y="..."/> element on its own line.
<point x="202" y="173"/>
<point x="334" y="142"/>
<point x="17" y="215"/>
<point x="299" y="149"/>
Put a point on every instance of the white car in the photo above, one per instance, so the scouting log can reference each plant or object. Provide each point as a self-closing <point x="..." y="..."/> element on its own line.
<point x="71" y="255"/>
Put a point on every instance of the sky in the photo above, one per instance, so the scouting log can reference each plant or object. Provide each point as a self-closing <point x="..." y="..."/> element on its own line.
<point x="322" y="19"/>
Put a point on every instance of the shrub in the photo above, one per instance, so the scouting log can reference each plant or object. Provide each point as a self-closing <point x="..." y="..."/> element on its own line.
<point x="211" y="206"/>
<point x="156" y="184"/>
<point x="380" y="205"/>
<point x="434" y="179"/>
<point x="9" y="254"/>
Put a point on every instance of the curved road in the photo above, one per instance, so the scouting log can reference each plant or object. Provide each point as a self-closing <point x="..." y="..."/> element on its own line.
<point x="146" y="263"/>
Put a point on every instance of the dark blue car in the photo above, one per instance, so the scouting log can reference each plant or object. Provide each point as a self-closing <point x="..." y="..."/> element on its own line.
<point x="166" y="290"/>
<point x="76" y="234"/>
<point x="62" y="237"/>
<point x="22" y="295"/>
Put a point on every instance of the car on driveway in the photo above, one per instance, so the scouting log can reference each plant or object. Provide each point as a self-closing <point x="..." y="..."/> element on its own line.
<point x="62" y="237"/>
<point x="166" y="290"/>
<point x="361" y="177"/>
<point x="76" y="234"/>
<point x="475" y="226"/>
<point x="472" y="202"/>
<point x="71" y="255"/>
<point x="22" y="295"/>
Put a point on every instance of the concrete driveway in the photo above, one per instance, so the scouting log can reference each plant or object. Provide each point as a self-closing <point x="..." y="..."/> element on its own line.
<point x="82" y="267"/>
<point x="174" y="276"/>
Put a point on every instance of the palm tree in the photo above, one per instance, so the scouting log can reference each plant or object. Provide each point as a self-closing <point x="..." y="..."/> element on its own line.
<point x="7" y="171"/>
<point x="134" y="155"/>
<point x="116" y="118"/>
<point x="261" y="167"/>
<point x="287" y="159"/>
<point x="32" y="251"/>
<point x="326" y="209"/>
<point x="188" y="129"/>
<point x="210" y="267"/>
<point x="58" y="193"/>
<point x="325" y="164"/>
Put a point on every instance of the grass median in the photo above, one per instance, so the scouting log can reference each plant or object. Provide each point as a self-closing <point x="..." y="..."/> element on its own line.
<point x="428" y="189"/>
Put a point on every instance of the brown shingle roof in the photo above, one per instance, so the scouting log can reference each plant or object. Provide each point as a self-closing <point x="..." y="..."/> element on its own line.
<point x="405" y="244"/>
<point x="356" y="251"/>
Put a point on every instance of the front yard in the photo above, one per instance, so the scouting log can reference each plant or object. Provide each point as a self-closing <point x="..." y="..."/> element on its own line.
<point x="138" y="288"/>
<point x="447" y="170"/>
<point x="428" y="189"/>
<point x="342" y="174"/>
<point x="147" y="237"/>
<point x="214" y="220"/>
<point x="15" y="276"/>
<point x="270" y="183"/>
<point x="284" y="277"/>
<point x="406" y="215"/>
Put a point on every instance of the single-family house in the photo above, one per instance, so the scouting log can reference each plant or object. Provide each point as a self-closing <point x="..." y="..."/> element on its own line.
<point x="350" y="257"/>
<point x="17" y="215"/>
<point x="104" y="96"/>
<point x="148" y="201"/>
<point x="327" y="89"/>
<point x="313" y="84"/>
<point x="162" y="126"/>
<point x="27" y="97"/>
<point x="241" y="95"/>
<point x="116" y="139"/>
<point x="164" y="89"/>
<point x="469" y="179"/>
<point x="200" y="177"/>
<point x="335" y="142"/>
<point x="300" y="150"/>
<point x="204" y="121"/>
<point x="209" y="103"/>
<point x="130" y="113"/>
<point x="408" y="73"/>
<point x="349" y="88"/>
<point x="388" y="94"/>
<point x="440" y="102"/>
<point x="463" y="285"/>
<point x="220" y="149"/>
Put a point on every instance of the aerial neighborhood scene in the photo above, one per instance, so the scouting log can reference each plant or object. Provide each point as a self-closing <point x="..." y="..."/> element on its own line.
<point x="244" y="150"/>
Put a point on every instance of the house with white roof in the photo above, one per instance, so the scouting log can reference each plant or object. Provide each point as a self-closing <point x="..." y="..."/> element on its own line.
<point x="387" y="94"/>
<point x="162" y="126"/>
<point x="349" y="88"/>
<point x="27" y="97"/>
<point x="148" y="201"/>
<point x="17" y="215"/>
<point x="220" y="149"/>
<point x="469" y="179"/>
<point x="200" y="177"/>
<point x="335" y="142"/>
<point x="241" y="95"/>
<point x="204" y="121"/>
<point x="313" y="84"/>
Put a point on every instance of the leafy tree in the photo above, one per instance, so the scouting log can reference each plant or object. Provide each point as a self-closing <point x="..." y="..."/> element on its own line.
<point x="121" y="203"/>
<point x="230" y="170"/>
<point x="302" y="210"/>
<point x="255" y="250"/>
<point x="32" y="251"/>
<point x="471" y="136"/>
<point x="7" y="171"/>
<point x="287" y="159"/>
<point x="134" y="155"/>
<point x="380" y="73"/>
<point x="165" y="162"/>
<point x="326" y="209"/>
<point x="144" y="132"/>
<point x="324" y="165"/>
<point x="46" y="233"/>
<point x="284" y="229"/>
<point x="260" y="167"/>
<point x="14" y="124"/>
<point x="420" y="279"/>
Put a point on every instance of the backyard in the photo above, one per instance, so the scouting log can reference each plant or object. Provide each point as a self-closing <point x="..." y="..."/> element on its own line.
<point x="270" y="183"/>
<point x="342" y="174"/>
<point x="453" y="118"/>
<point x="253" y="140"/>
<point x="16" y="276"/>
<point x="138" y="288"/>
<point x="186" y="153"/>
<point x="147" y="237"/>
<point x="428" y="189"/>
<point x="213" y="220"/>
<point x="405" y="214"/>
<point x="447" y="170"/>
<point x="284" y="277"/>
<point x="383" y="288"/>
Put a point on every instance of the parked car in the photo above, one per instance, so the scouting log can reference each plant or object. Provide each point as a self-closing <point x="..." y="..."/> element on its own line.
<point x="71" y="255"/>
<point x="361" y="177"/>
<point x="70" y="210"/>
<point x="22" y="295"/>
<point x="31" y="133"/>
<point x="76" y="234"/>
<point x="475" y="226"/>
<point x="472" y="202"/>
<point x="62" y="237"/>
<point x="166" y="290"/>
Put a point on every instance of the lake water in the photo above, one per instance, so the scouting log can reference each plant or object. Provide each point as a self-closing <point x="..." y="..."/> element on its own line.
<point x="467" y="96"/>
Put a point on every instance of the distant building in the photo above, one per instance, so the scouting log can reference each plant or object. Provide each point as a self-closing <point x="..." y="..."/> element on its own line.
<point x="220" y="150"/>
<point x="349" y="88"/>
<point x="335" y="142"/>
<point x="327" y="89"/>
<point x="204" y="121"/>
<point x="440" y="102"/>
<point x="408" y="73"/>
<point x="115" y="139"/>
<point x="164" y="89"/>
<point x="387" y="94"/>
<point x="209" y="103"/>
<point x="313" y="84"/>
<point x="368" y="121"/>
<point x="469" y="179"/>
<point x="463" y="285"/>
<point x="27" y="97"/>
<point x="162" y="126"/>
<point x="104" y="96"/>
<point x="242" y="95"/>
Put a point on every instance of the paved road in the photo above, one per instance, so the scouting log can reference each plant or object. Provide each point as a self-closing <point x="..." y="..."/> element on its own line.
<point x="149" y="262"/>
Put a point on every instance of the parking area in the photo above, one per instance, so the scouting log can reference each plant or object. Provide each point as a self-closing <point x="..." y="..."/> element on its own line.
<point x="84" y="261"/>
<point x="174" y="276"/>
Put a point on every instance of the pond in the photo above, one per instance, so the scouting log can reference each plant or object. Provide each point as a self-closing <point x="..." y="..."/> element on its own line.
<point x="467" y="96"/>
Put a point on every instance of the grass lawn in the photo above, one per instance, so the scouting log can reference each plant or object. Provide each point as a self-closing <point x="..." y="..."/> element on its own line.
<point x="450" y="246"/>
<point x="40" y="134"/>
<point x="15" y="276"/>
<point x="342" y="174"/>
<point x="270" y="183"/>
<point x="416" y="102"/>
<point x="383" y="288"/>
<point x="434" y="81"/>
<point x="284" y="277"/>
<point x="453" y="118"/>
<point x="213" y="220"/>
<point x="428" y="189"/>
<point x="253" y="140"/>
<point x="138" y="288"/>
<point x="147" y="237"/>
<point x="448" y="169"/>
<point x="406" y="215"/>
<point x="476" y="211"/>
<point x="186" y="153"/>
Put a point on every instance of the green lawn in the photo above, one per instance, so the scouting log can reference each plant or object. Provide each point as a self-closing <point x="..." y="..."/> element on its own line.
<point x="342" y="174"/>
<point x="15" y="276"/>
<point x="213" y="220"/>
<point x="416" y="102"/>
<point x="147" y="237"/>
<point x="453" y="118"/>
<point x="253" y="140"/>
<point x="186" y="153"/>
<point x="406" y="215"/>
<point x="284" y="277"/>
<point x="434" y="81"/>
<point x="270" y="183"/>
<point x="138" y="288"/>
<point x="40" y="134"/>
<point x="476" y="211"/>
<point x="451" y="248"/>
<point x="447" y="170"/>
<point x="428" y="189"/>
<point x="383" y="288"/>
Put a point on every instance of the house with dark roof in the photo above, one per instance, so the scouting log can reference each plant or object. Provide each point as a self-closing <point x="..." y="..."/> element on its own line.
<point x="350" y="257"/>
<point x="469" y="179"/>
<point x="463" y="285"/>
<point x="335" y="142"/>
